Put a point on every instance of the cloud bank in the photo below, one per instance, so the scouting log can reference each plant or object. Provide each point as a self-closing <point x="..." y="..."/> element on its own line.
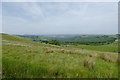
<point x="60" y="18"/>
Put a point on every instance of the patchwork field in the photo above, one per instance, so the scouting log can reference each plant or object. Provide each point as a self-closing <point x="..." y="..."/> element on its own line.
<point x="23" y="58"/>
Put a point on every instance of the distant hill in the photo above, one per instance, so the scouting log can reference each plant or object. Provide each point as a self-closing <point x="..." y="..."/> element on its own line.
<point x="74" y="39"/>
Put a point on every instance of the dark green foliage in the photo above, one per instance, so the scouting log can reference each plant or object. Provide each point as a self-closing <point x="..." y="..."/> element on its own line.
<point x="74" y="39"/>
<point x="100" y="41"/>
<point x="55" y="42"/>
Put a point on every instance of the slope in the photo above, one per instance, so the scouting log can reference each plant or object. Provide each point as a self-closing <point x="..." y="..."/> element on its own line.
<point x="24" y="58"/>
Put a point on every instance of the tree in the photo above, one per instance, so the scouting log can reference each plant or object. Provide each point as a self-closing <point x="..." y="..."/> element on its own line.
<point x="55" y="42"/>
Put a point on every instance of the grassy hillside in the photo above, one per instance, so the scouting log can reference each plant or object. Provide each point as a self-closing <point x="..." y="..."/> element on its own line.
<point x="24" y="58"/>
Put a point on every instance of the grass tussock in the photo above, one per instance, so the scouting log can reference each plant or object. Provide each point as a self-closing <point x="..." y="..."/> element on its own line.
<point x="89" y="63"/>
<point x="70" y="51"/>
<point x="108" y="57"/>
<point x="31" y="51"/>
<point x="61" y="50"/>
<point x="67" y="51"/>
<point x="93" y="55"/>
<point x="48" y="50"/>
<point x="45" y="48"/>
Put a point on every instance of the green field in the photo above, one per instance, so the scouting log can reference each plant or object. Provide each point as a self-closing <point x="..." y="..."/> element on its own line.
<point x="23" y="58"/>
<point x="105" y="48"/>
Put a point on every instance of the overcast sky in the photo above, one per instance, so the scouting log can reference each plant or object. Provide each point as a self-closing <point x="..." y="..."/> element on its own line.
<point x="60" y="18"/>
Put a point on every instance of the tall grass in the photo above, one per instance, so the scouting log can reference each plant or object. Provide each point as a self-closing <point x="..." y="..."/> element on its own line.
<point x="45" y="61"/>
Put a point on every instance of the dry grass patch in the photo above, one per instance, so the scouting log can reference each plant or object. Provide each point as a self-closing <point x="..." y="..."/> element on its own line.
<point x="70" y="51"/>
<point x="45" y="48"/>
<point x="89" y="63"/>
<point x="49" y="51"/>
<point x="61" y="50"/>
<point x="30" y="51"/>
<point x="108" y="57"/>
<point x="93" y="55"/>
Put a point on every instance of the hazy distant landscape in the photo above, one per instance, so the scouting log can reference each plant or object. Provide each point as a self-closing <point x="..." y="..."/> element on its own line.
<point x="93" y="42"/>
<point x="59" y="40"/>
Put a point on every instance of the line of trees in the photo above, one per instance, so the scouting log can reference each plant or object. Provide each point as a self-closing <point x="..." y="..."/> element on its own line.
<point x="74" y="40"/>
